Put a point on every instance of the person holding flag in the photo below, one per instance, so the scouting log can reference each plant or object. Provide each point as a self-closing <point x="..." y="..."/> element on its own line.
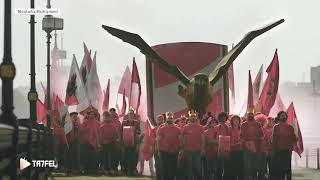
<point x="108" y="135"/>
<point x="73" y="141"/>
<point x="89" y="141"/>
<point x="117" y="125"/>
<point x="251" y="135"/>
<point x="236" y="154"/>
<point x="130" y="131"/>
<point x="59" y="139"/>
<point x="283" y="140"/>
<point x="222" y="134"/>
<point x="210" y="149"/>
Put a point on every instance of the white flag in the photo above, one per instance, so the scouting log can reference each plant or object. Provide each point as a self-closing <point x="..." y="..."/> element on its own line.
<point x="94" y="90"/>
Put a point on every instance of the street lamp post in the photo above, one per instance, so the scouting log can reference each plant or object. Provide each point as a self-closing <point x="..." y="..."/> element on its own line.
<point x="7" y="74"/>
<point x="32" y="95"/>
<point x="50" y="23"/>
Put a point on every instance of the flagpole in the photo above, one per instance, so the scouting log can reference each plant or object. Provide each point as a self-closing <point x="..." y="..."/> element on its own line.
<point x="131" y="84"/>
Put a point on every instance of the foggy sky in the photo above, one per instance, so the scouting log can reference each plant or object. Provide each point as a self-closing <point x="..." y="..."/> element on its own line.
<point x="165" y="21"/>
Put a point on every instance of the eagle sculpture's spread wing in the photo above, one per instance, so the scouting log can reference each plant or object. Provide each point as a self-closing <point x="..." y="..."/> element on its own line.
<point x="137" y="41"/>
<point x="228" y="59"/>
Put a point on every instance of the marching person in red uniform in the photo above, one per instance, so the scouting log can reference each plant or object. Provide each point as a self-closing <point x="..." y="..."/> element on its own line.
<point x="210" y="149"/>
<point x="159" y="172"/>
<point x="181" y="168"/>
<point x="72" y="137"/>
<point x="89" y="141"/>
<point x="283" y="140"/>
<point x="131" y="139"/>
<point x="192" y="146"/>
<point x="116" y="124"/>
<point x="251" y="136"/>
<point x="108" y="135"/>
<point x="222" y="131"/>
<point x="264" y="146"/>
<point x="59" y="140"/>
<point x="268" y="135"/>
<point x="168" y="143"/>
<point x="236" y="155"/>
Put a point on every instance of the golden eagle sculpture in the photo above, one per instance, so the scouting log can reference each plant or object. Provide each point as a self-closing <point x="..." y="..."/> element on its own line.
<point x="196" y="91"/>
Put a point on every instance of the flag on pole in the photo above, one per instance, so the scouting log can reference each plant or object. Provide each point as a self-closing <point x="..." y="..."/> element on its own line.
<point x="270" y="88"/>
<point x="135" y="93"/>
<point x="250" y="104"/>
<point x="125" y="83"/>
<point x="44" y="92"/>
<point x="106" y="99"/>
<point x="93" y="86"/>
<point x="124" y="104"/>
<point x="257" y="85"/>
<point x="85" y="64"/>
<point x="65" y="118"/>
<point x="88" y="57"/>
<point x="277" y="107"/>
<point x="57" y="103"/>
<point x="76" y="92"/>
<point x="293" y="121"/>
<point x="41" y="113"/>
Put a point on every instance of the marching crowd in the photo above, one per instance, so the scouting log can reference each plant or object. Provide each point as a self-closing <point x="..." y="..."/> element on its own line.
<point x="222" y="147"/>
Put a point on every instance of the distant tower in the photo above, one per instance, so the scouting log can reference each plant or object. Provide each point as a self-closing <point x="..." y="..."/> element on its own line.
<point x="315" y="76"/>
<point x="58" y="55"/>
<point x="59" y="71"/>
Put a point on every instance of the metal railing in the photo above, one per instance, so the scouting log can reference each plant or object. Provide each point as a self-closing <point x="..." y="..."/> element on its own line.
<point x="32" y="144"/>
<point x="310" y="158"/>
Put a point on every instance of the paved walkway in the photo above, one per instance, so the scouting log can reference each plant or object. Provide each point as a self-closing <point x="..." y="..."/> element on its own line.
<point x="298" y="174"/>
<point x="100" y="178"/>
<point x="306" y="174"/>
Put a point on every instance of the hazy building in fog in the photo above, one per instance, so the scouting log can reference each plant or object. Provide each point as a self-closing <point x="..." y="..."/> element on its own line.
<point x="60" y="67"/>
<point x="315" y="77"/>
<point x="306" y="98"/>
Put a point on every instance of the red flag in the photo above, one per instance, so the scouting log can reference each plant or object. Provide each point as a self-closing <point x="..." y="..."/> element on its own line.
<point x="231" y="87"/>
<point x="41" y="113"/>
<point x="277" y="107"/>
<point x="88" y="57"/>
<point x="57" y="102"/>
<point x="105" y="105"/>
<point x="293" y="121"/>
<point x="149" y="141"/>
<point x="124" y="104"/>
<point x="135" y="92"/>
<point x="45" y="93"/>
<point x="250" y="104"/>
<point x="125" y="83"/>
<point x="257" y="84"/>
<point x="270" y="88"/>
<point x="85" y="64"/>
